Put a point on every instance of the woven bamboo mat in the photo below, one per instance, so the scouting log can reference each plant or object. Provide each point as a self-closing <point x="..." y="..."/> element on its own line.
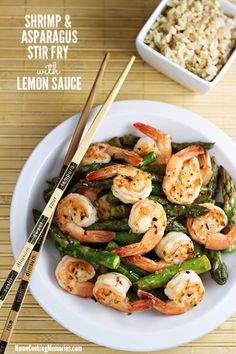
<point x="26" y="117"/>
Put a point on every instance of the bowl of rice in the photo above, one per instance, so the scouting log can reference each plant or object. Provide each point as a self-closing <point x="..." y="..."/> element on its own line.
<point x="191" y="41"/>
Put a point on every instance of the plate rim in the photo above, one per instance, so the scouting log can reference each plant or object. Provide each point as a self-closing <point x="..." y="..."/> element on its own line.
<point x="108" y="340"/>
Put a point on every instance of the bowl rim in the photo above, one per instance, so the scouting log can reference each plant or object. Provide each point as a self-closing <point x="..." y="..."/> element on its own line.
<point x="200" y="327"/>
<point x="147" y="26"/>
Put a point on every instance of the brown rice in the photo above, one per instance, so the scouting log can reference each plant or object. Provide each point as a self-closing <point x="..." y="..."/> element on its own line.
<point x="194" y="34"/>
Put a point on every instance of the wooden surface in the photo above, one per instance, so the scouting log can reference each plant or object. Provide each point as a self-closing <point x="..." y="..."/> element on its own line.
<point x="26" y="117"/>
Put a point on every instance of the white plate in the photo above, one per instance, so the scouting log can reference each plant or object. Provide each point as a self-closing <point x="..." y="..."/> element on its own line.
<point x="142" y="331"/>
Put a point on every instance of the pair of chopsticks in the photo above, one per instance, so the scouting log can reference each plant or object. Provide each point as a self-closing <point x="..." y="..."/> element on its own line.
<point x="35" y="241"/>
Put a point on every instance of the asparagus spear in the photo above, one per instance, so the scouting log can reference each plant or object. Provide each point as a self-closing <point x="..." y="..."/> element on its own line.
<point x="229" y="202"/>
<point x="229" y="196"/>
<point x="129" y="140"/>
<point x="180" y="146"/>
<point x="115" y="141"/>
<point x="105" y="183"/>
<point x="84" y="170"/>
<point x="120" y="211"/>
<point x="93" y="256"/>
<point x="47" y="193"/>
<point x="198" y="249"/>
<point x="112" y="245"/>
<point x="132" y="276"/>
<point x="187" y="211"/>
<point x="162" y="200"/>
<point x="112" y="225"/>
<point x="219" y="271"/>
<point x="126" y="238"/>
<point x="112" y="199"/>
<point x="122" y="225"/>
<point x="158" y="169"/>
<point x="157" y="189"/>
<point x="175" y="225"/>
<point x="159" y="279"/>
<point x="148" y="159"/>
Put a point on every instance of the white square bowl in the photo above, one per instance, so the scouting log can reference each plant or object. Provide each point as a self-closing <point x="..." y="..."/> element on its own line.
<point x="175" y="71"/>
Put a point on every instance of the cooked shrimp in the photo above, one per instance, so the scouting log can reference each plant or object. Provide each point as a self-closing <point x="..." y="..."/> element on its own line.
<point x="206" y="229"/>
<point x="73" y="274"/>
<point x="160" y="143"/>
<point x="130" y="183"/>
<point x="183" y="180"/>
<point x="103" y="153"/>
<point x="205" y="167"/>
<point x="74" y="212"/>
<point x="185" y="290"/>
<point x="174" y="248"/>
<point x="147" y="217"/>
<point x="110" y="290"/>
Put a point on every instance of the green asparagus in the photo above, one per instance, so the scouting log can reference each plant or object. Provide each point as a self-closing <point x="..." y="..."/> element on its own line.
<point x="112" y="199"/>
<point x="111" y="225"/>
<point x="158" y="169"/>
<point x="157" y="189"/>
<point x="198" y="249"/>
<point x="159" y="279"/>
<point x="47" y="193"/>
<point x="120" y="211"/>
<point x="84" y="170"/>
<point x="180" y="146"/>
<point x="175" y="225"/>
<point x="229" y="203"/>
<point x="105" y="183"/>
<point x="132" y="276"/>
<point x="126" y="238"/>
<point x="148" y="159"/>
<point x="229" y="196"/>
<point x="133" y="268"/>
<point x="115" y="141"/>
<point x="187" y="211"/>
<point x="129" y="140"/>
<point x="219" y="271"/>
<point x="162" y="200"/>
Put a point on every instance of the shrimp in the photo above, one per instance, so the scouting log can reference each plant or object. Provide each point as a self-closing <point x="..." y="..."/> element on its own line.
<point x="158" y="142"/>
<point x="205" y="167"/>
<point x="183" y="180"/>
<point x="174" y="248"/>
<point x="185" y="290"/>
<point x="103" y="153"/>
<point x="206" y="229"/>
<point x="74" y="212"/>
<point x="110" y="290"/>
<point x="147" y="217"/>
<point x="72" y="274"/>
<point x="130" y="184"/>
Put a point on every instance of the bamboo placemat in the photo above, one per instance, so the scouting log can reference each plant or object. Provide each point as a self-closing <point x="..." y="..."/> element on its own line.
<point x="26" y="117"/>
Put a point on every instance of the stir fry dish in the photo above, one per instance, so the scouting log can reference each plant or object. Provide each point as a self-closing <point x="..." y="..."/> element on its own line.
<point x="141" y="220"/>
